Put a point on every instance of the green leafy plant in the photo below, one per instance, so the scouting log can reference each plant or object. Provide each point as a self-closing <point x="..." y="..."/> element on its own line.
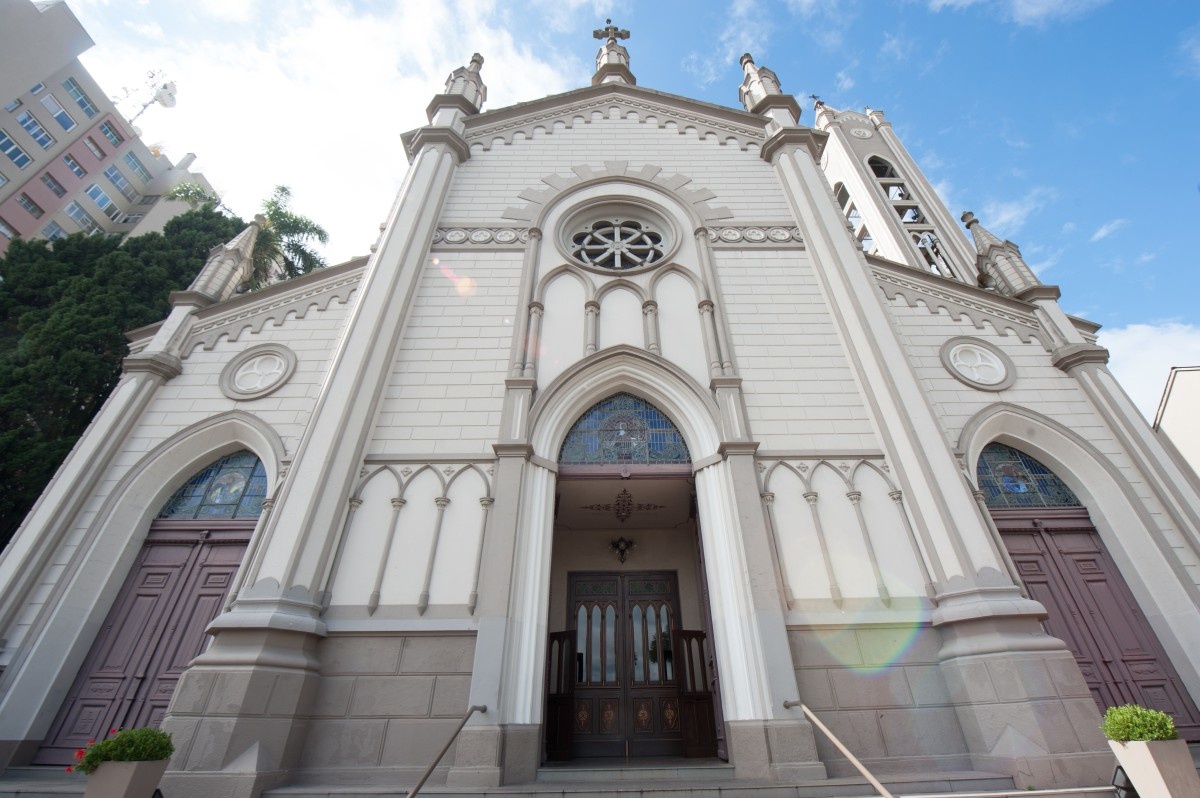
<point x="125" y="745"/>
<point x="1131" y="722"/>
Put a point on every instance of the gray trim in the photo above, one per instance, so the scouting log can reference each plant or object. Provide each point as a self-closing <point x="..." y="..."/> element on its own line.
<point x="229" y="374"/>
<point x="1006" y="380"/>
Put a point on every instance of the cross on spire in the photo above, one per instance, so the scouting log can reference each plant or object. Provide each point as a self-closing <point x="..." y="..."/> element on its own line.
<point x="610" y="32"/>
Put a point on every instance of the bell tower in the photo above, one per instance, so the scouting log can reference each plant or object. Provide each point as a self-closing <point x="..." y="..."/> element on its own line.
<point x="893" y="210"/>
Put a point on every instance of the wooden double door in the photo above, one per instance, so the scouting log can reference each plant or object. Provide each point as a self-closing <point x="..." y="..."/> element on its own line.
<point x="1065" y="567"/>
<point x="154" y="629"/>
<point x="625" y="680"/>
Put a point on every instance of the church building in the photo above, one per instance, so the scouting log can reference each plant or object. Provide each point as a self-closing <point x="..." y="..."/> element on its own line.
<point x="653" y="435"/>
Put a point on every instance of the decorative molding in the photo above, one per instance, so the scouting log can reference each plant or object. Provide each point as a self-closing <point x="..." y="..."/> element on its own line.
<point x="765" y="236"/>
<point x="464" y="237"/>
<point x="978" y="364"/>
<point x="160" y="364"/>
<point x="958" y="304"/>
<point x="255" y="317"/>
<point x="257" y="372"/>
<point x="582" y="111"/>
<point x="1072" y="355"/>
<point x="538" y="199"/>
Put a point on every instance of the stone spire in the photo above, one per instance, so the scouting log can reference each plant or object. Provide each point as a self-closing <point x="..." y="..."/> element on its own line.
<point x="612" y="60"/>
<point x="761" y="93"/>
<point x="229" y="266"/>
<point x="465" y="82"/>
<point x="1000" y="263"/>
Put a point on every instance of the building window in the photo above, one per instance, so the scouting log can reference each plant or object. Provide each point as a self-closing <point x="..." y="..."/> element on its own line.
<point x="38" y="88"/>
<point x="58" y="112"/>
<point x="94" y="147"/>
<point x="118" y="180"/>
<point x="14" y="152"/>
<point x="232" y="487"/>
<point x="624" y="430"/>
<point x="12" y="106"/>
<point x="35" y="130"/>
<point x="54" y="231"/>
<point x="6" y="231"/>
<point x="1010" y="478"/>
<point x="74" y="166"/>
<point x="103" y="201"/>
<point x="56" y="187"/>
<point x="132" y="218"/>
<point x="3" y="179"/>
<point x="110" y="133"/>
<point x="85" y="104"/>
<point x="133" y="163"/>
<point x="617" y="244"/>
<point x="28" y="204"/>
<point x="150" y="199"/>
<point x="881" y="168"/>
<point x="84" y="219"/>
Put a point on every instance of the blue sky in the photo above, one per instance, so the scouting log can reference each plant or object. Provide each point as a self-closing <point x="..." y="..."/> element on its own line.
<point x="1068" y="127"/>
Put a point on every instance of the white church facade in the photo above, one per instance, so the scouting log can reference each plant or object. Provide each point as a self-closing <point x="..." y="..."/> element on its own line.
<point x="646" y="422"/>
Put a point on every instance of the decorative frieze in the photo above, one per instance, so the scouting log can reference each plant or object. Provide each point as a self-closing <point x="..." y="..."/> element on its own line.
<point x="756" y="235"/>
<point x="476" y="237"/>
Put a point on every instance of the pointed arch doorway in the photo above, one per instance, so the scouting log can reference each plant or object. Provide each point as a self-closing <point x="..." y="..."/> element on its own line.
<point x="177" y="586"/>
<point x="1066" y="567"/>
<point x="629" y="665"/>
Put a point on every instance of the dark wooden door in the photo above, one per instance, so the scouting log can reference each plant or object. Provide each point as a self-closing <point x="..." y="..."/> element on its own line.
<point x="1065" y="566"/>
<point x="696" y="706"/>
<point x="626" y="698"/>
<point x="154" y="629"/>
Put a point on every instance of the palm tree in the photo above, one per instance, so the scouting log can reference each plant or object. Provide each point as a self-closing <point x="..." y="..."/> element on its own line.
<point x="283" y="248"/>
<point x="284" y="244"/>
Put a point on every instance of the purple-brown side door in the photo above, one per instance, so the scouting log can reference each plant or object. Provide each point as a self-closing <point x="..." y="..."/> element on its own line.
<point x="154" y="629"/>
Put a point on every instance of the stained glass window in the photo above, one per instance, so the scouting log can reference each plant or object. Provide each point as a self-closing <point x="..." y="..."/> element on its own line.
<point x="1011" y="478"/>
<point x="232" y="487"/>
<point x="624" y="430"/>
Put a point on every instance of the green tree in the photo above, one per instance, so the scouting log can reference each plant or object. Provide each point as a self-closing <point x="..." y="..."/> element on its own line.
<point x="284" y="247"/>
<point x="64" y="309"/>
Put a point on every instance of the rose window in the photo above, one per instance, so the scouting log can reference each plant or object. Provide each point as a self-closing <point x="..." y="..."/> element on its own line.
<point x="618" y="245"/>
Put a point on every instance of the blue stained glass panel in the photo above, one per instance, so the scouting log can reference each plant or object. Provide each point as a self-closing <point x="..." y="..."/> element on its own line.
<point x="1010" y="478"/>
<point x="232" y="487"/>
<point x="624" y="429"/>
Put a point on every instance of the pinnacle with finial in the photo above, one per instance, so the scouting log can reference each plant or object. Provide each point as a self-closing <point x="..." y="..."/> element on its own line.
<point x="610" y="32"/>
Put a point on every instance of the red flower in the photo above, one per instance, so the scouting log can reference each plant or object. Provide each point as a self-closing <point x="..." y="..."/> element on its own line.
<point x="79" y="753"/>
<point x="68" y="768"/>
<point x="112" y="731"/>
<point x="91" y="742"/>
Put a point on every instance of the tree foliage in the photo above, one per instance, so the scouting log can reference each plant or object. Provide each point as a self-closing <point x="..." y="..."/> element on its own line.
<point x="64" y="309"/>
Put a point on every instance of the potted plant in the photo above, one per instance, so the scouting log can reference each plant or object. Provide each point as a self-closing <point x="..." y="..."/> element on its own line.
<point x="128" y="763"/>
<point x="1147" y="746"/>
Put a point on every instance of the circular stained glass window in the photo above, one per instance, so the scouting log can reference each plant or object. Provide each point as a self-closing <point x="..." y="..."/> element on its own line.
<point x="617" y="244"/>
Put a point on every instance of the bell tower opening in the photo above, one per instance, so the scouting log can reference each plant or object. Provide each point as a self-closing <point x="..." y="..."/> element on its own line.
<point x="629" y="671"/>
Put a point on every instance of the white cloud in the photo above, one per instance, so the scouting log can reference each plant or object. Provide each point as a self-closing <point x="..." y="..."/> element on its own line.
<point x="896" y="46"/>
<point x="319" y="103"/>
<point x="745" y="31"/>
<point x="1069" y="227"/>
<point x="1107" y="229"/>
<point x="844" y="81"/>
<point x="1028" y="12"/>
<point x="1006" y="217"/>
<point x="1142" y="356"/>
<point x="1189" y="50"/>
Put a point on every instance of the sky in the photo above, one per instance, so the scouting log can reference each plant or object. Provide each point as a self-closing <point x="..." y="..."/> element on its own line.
<point x="1068" y="126"/>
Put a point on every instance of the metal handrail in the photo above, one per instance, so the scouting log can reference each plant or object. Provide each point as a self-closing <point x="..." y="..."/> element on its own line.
<point x="883" y="791"/>
<point x="481" y="709"/>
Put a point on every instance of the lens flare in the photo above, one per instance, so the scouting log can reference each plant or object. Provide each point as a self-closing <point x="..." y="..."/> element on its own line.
<point x="465" y="286"/>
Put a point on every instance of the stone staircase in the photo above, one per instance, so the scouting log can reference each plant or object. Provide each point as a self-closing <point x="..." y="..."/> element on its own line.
<point x="652" y="780"/>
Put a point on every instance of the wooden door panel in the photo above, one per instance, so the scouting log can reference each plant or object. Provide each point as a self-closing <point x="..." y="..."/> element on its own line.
<point x="1064" y="565"/>
<point x="154" y="629"/>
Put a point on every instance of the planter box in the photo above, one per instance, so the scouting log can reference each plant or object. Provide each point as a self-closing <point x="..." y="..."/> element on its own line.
<point x="1161" y="769"/>
<point x="125" y="779"/>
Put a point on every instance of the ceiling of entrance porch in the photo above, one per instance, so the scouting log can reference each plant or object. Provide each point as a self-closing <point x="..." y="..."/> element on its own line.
<point x="602" y="503"/>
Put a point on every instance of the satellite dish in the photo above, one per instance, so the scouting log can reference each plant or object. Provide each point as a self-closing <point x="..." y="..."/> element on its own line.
<point x="166" y="95"/>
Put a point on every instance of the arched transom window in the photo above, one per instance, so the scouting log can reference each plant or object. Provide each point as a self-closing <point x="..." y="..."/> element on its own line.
<point x="1010" y="478"/>
<point x="624" y="430"/>
<point x="232" y="487"/>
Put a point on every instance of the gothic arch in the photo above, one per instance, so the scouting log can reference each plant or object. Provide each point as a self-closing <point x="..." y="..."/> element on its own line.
<point x="674" y="268"/>
<point x="589" y="288"/>
<point x="633" y="370"/>
<point x="619" y="283"/>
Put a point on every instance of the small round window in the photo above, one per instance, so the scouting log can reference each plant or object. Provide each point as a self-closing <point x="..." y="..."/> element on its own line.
<point x="617" y="244"/>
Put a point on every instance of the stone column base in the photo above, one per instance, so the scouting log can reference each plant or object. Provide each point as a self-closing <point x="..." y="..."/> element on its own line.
<point x="779" y="750"/>
<point x="181" y="784"/>
<point x="489" y="756"/>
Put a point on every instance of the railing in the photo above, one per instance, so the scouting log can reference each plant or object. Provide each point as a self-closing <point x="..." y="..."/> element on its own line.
<point x="432" y="765"/>
<point x="883" y="791"/>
